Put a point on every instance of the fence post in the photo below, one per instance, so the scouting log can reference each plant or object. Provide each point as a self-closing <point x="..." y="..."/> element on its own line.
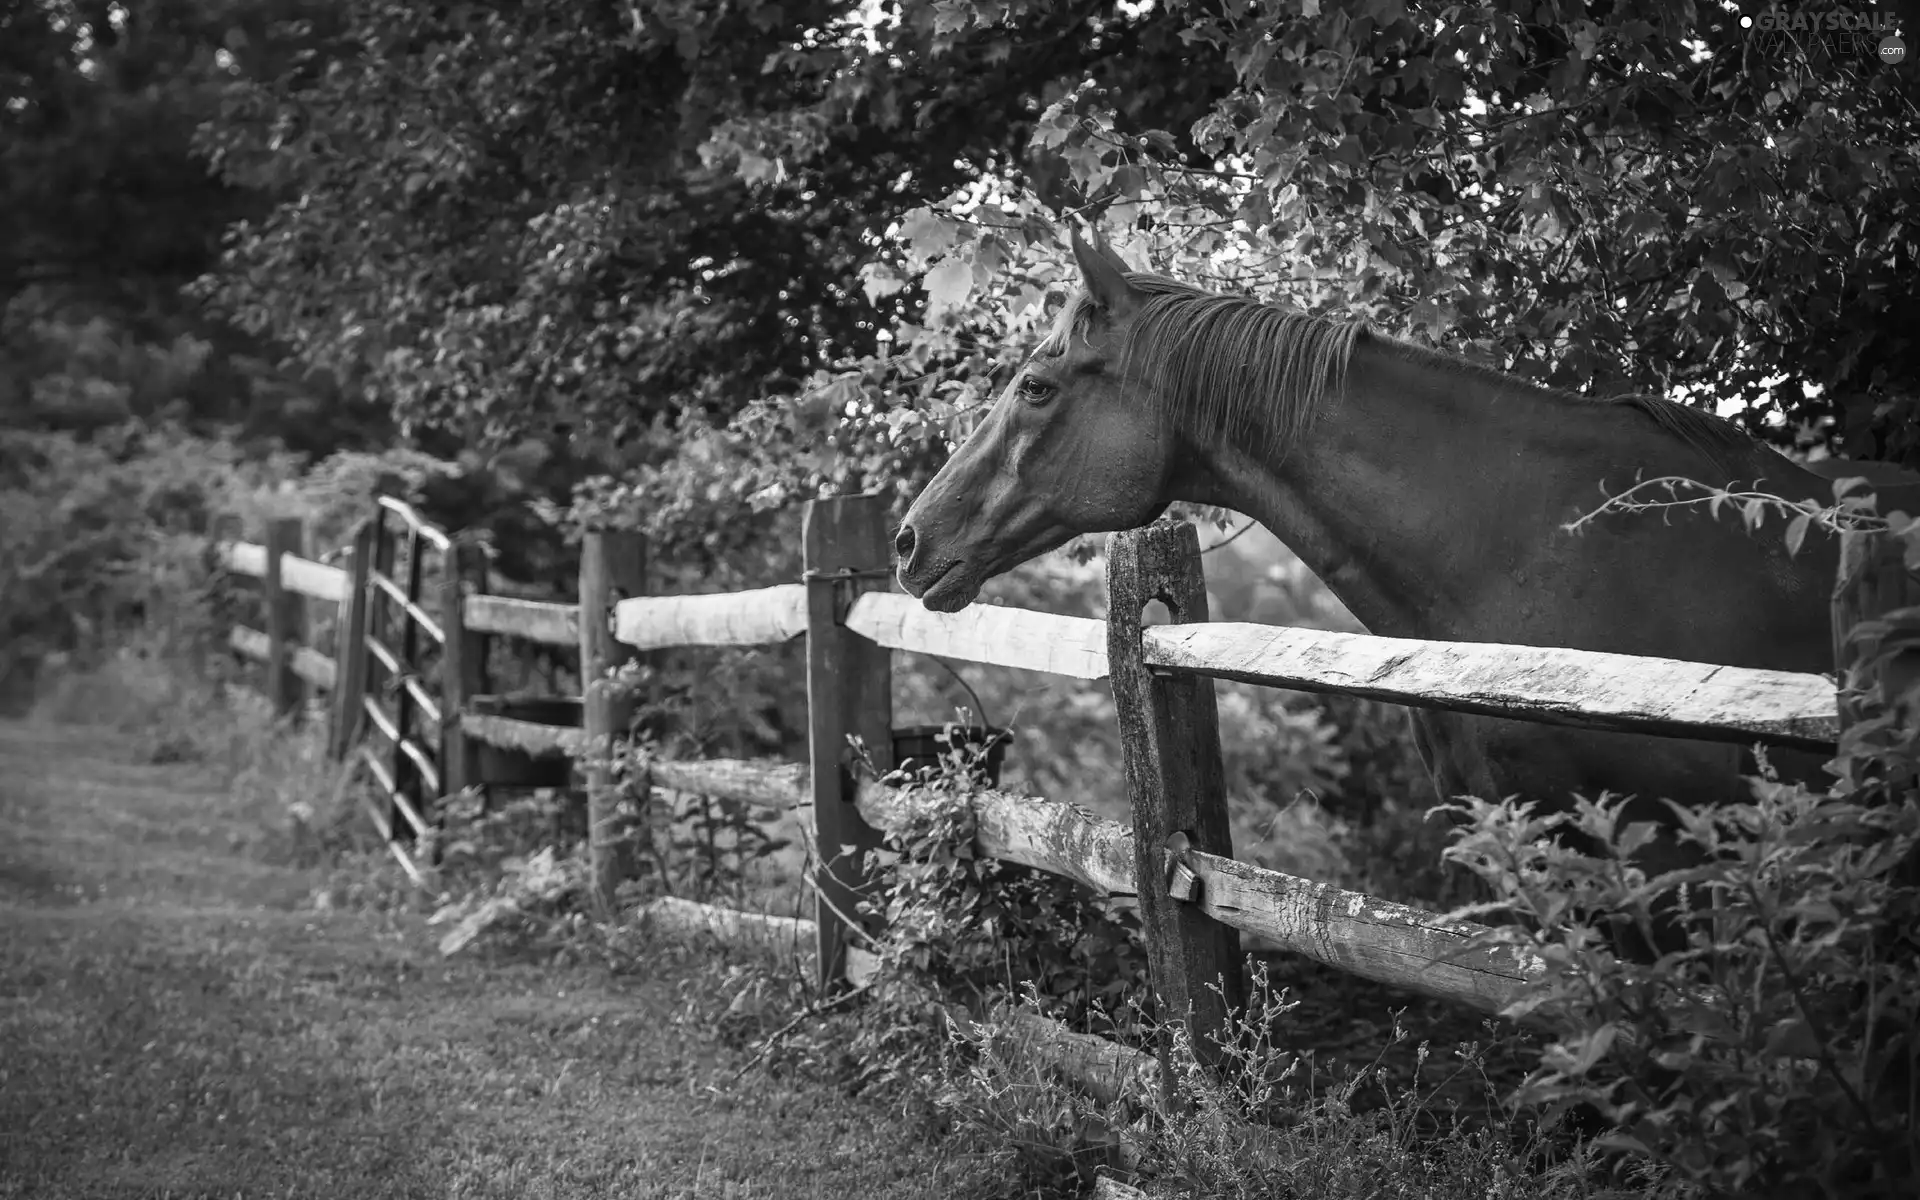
<point x="849" y="693"/>
<point x="286" y="618"/>
<point x="350" y="646"/>
<point x="1873" y="580"/>
<point x="610" y="563"/>
<point x="463" y="662"/>
<point x="1170" y="748"/>
<point x="227" y="528"/>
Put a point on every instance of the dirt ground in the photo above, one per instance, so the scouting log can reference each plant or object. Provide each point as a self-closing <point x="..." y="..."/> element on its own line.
<point x="178" y="1020"/>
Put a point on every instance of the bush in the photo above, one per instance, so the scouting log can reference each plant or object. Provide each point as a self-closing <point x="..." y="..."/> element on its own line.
<point x="1773" y="1053"/>
<point x="105" y="536"/>
<point x="986" y="931"/>
<point x="1770" y="1050"/>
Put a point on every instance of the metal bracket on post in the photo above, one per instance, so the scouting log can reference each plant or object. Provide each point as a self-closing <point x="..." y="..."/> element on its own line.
<point x="844" y="593"/>
<point x="1183" y="882"/>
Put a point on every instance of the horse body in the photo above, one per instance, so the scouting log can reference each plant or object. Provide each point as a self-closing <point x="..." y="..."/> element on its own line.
<point x="1432" y="500"/>
<point x="1430" y="495"/>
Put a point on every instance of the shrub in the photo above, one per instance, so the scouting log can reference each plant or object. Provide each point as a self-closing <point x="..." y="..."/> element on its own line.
<point x="1773" y="1053"/>
<point x="105" y="536"/>
<point x="987" y="931"/>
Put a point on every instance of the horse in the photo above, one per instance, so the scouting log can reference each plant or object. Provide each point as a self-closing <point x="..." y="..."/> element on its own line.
<point x="1429" y="493"/>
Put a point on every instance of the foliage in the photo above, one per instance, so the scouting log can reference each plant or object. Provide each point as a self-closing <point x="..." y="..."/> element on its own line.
<point x="108" y="535"/>
<point x="1274" y="1127"/>
<point x="1645" y="198"/>
<point x="1758" y="1059"/>
<point x="983" y="930"/>
<point x="1769" y="1050"/>
<point x="605" y="223"/>
<point x="707" y="847"/>
<point x="536" y="885"/>
<point x="1772" y="1054"/>
<point x="82" y="374"/>
<point x="98" y="104"/>
<point x="1855" y="509"/>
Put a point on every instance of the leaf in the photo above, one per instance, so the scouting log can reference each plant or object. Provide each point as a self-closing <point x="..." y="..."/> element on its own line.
<point x="1793" y="1038"/>
<point x="879" y="280"/>
<point x="1591" y="1049"/>
<point x="1847" y="484"/>
<point x="1797" y="532"/>
<point x="948" y="285"/>
<point x="951" y="16"/>
<point x="927" y="234"/>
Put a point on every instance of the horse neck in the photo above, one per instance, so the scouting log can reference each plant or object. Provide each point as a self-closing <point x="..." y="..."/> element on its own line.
<point x="1430" y="498"/>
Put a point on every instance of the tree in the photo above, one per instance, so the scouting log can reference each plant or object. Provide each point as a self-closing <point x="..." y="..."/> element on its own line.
<point x="594" y="223"/>
<point x="109" y="213"/>
<point x="732" y="254"/>
<point x="97" y="108"/>
<point x="1640" y="197"/>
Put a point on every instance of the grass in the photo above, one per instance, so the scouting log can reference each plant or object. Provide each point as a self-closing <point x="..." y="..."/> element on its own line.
<point x="214" y="984"/>
<point x="178" y="1019"/>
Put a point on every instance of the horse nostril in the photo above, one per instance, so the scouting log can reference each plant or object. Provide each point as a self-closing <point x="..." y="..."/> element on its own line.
<point x="903" y="543"/>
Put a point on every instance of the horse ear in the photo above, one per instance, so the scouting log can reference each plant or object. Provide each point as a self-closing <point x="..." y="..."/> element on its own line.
<point x="1105" y="274"/>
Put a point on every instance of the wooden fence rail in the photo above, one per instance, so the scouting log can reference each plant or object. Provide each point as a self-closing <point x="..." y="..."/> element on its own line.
<point x="765" y="617"/>
<point x="535" y="620"/>
<point x="1585" y="688"/>
<point x="1174" y="857"/>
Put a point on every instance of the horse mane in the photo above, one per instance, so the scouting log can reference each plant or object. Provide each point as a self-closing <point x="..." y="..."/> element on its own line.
<point x="1224" y="360"/>
<point x="1231" y="362"/>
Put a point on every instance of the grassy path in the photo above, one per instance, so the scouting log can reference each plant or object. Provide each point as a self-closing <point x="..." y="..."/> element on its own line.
<point x="177" y="1021"/>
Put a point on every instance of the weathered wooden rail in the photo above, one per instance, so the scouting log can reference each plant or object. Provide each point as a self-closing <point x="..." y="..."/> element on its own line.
<point x="1161" y="678"/>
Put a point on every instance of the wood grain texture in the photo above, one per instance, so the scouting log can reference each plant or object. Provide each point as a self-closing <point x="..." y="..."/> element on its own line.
<point x="350" y="646"/>
<point x="984" y="633"/>
<point x="1376" y="939"/>
<point x="1176" y="781"/>
<point x="1048" y="835"/>
<point x="530" y="737"/>
<point x="1872" y="581"/>
<point x="310" y="578"/>
<point x="784" y="938"/>
<point x="762" y="617"/>
<point x="302" y="575"/>
<point x="611" y="564"/>
<point x="1562" y="687"/>
<point x="286" y="617"/>
<point x="315" y="668"/>
<point x="767" y="783"/>
<point x="244" y="558"/>
<point x="250" y="642"/>
<point x="463" y="662"/>
<point x="535" y="620"/>
<point x="849" y="700"/>
<point x="1103" y="1069"/>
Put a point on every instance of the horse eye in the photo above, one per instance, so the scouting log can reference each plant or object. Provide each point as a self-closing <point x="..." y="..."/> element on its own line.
<point x="1035" y="391"/>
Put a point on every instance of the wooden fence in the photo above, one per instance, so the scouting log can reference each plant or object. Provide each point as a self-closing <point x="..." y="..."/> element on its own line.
<point x="1175" y="857"/>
